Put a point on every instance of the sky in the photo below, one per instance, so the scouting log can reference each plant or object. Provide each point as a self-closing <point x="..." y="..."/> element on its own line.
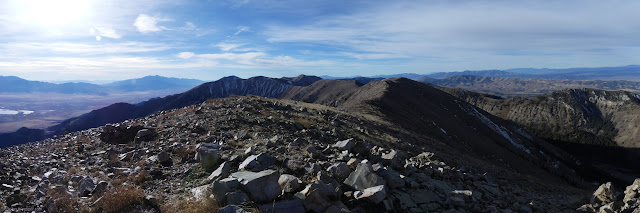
<point x="54" y="40"/>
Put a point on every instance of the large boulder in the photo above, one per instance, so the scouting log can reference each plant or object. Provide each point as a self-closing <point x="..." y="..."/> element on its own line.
<point x="604" y="194"/>
<point x="257" y="162"/>
<point x="207" y="154"/>
<point x="261" y="186"/>
<point x="363" y="177"/>
<point x="119" y="134"/>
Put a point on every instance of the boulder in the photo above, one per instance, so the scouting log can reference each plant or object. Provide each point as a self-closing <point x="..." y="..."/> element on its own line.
<point x="374" y="194"/>
<point x="222" y="172"/>
<point x="100" y="189"/>
<point x="294" y="206"/>
<point x="220" y="188"/>
<point x="604" y="194"/>
<point x="236" y="198"/>
<point x="145" y="135"/>
<point x="339" y="171"/>
<point x="261" y="186"/>
<point x="257" y="162"/>
<point x="164" y="159"/>
<point x="392" y="178"/>
<point x="207" y="154"/>
<point x="632" y="192"/>
<point x="289" y="183"/>
<point x="119" y="134"/>
<point x="85" y="187"/>
<point x="344" y="145"/>
<point x="363" y="177"/>
<point x="313" y="199"/>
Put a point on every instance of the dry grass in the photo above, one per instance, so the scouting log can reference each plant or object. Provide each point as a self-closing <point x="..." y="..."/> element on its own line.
<point x="140" y="178"/>
<point x="205" y="205"/>
<point x="304" y="122"/>
<point x="62" y="202"/>
<point x="120" y="198"/>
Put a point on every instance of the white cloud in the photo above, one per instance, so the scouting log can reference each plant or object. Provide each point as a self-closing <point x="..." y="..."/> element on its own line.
<point x="105" y="32"/>
<point x="473" y="32"/>
<point x="228" y="46"/>
<point x="147" y="24"/>
<point x="185" y="55"/>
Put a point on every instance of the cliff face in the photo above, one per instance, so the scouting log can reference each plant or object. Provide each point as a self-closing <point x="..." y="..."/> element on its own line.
<point x="575" y="115"/>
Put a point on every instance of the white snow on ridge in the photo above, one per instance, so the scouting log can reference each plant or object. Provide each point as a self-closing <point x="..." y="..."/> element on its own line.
<point x="499" y="129"/>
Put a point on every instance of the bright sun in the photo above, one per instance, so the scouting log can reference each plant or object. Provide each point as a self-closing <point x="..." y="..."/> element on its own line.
<point x="51" y="13"/>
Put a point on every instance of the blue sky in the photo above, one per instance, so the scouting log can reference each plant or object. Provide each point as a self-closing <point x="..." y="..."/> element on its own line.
<point x="110" y="40"/>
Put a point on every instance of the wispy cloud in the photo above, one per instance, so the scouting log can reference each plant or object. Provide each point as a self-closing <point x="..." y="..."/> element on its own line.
<point x="242" y="29"/>
<point x="105" y="32"/>
<point x="147" y="24"/>
<point x="65" y="48"/>
<point x="228" y="46"/>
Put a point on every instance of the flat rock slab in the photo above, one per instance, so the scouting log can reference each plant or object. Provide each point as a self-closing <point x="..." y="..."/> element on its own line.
<point x="261" y="186"/>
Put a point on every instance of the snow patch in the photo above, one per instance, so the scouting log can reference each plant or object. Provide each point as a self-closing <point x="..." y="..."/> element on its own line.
<point x="499" y="129"/>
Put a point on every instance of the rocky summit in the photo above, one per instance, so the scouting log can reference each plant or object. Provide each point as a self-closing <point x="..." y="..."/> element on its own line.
<point x="253" y="154"/>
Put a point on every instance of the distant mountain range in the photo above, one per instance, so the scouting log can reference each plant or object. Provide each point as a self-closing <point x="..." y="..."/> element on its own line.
<point x="512" y="87"/>
<point x="12" y="84"/>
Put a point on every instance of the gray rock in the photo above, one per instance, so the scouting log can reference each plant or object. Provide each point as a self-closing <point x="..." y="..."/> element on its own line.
<point x="262" y="186"/>
<point x="85" y="187"/>
<point x="374" y="194"/>
<point x="311" y="167"/>
<point x="201" y="192"/>
<point x="164" y="158"/>
<point x="313" y="199"/>
<point x="339" y="171"/>
<point x="363" y="177"/>
<point x="604" y="194"/>
<point x="221" y="187"/>
<point x="145" y="135"/>
<point x="222" y="172"/>
<point x="257" y="162"/>
<point x="293" y="206"/>
<point x="151" y="201"/>
<point x="207" y="154"/>
<point x="392" y="178"/>
<point x="345" y="144"/>
<point x="236" y="198"/>
<point x="100" y="189"/>
<point x="289" y="183"/>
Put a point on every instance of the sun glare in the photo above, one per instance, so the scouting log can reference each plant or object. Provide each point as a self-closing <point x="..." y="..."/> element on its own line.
<point x="51" y="13"/>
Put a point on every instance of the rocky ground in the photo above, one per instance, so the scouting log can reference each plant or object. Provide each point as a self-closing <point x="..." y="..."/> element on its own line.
<point x="607" y="199"/>
<point x="251" y="154"/>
